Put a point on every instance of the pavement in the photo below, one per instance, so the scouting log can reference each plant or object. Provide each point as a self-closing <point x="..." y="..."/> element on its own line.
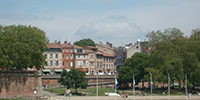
<point x="53" y="96"/>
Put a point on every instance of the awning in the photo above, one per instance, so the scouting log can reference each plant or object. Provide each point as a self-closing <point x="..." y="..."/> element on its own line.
<point x="58" y="70"/>
<point x="46" y="70"/>
<point x="82" y="69"/>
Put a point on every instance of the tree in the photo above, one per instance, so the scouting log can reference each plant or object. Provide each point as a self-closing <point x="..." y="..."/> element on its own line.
<point x="134" y="65"/>
<point x="21" y="47"/>
<point x="74" y="78"/>
<point x="174" y="54"/>
<point x="85" y="42"/>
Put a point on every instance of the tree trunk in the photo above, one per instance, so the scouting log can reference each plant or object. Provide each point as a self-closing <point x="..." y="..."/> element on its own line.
<point x="142" y="84"/>
<point x="179" y="87"/>
<point x="76" y="90"/>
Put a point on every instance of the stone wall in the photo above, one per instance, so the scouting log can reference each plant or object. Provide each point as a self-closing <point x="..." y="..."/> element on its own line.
<point x="18" y="84"/>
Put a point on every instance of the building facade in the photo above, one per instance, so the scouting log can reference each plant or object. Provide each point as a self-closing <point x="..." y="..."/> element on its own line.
<point x="53" y="58"/>
<point x="67" y="56"/>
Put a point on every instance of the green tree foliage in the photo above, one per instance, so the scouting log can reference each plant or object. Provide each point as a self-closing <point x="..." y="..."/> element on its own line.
<point x="21" y="47"/>
<point x="134" y="65"/>
<point x="74" y="78"/>
<point x="85" y="42"/>
<point x="173" y="53"/>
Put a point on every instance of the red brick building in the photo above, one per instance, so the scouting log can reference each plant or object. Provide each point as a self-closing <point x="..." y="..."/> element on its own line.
<point x="67" y="56"/>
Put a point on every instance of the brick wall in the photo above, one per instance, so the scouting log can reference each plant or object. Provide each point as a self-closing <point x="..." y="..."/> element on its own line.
<point x="52" y="80"/>
<point x="15" y="85"/>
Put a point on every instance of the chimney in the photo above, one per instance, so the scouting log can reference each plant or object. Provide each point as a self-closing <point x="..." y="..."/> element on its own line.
<point x="110" y="45"/>
<point x="69" y="42"/>
<point x="55" y="41"/>
<point x="59" y="42"/>
<point x="65" y="42"/>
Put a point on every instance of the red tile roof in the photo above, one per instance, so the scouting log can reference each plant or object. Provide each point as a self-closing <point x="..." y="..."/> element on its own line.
<point x="91" y="47"/>
<point x="66" y="45"/>
<point x="87" y="50"/>
<point x="107" y="55"/>
<point x="78" y="47"/>
<point x="53" y="45"/>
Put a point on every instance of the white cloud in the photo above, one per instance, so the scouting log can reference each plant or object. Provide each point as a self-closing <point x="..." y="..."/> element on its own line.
<point x="115" y="29"/>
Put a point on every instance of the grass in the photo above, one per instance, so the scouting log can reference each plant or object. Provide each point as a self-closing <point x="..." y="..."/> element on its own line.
<point x="90" y="91"/>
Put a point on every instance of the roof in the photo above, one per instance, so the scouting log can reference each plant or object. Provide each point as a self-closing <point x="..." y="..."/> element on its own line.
<point x="87" y="50"/>
<point x="91" y="47"/>
<point x="66" y="45"/>
<point x="107" y="55"/>
<point x="53" y="45"/>
<point x="102" y="45"/>
<point x="78" y="47"/>
<point x="99" y="53"/>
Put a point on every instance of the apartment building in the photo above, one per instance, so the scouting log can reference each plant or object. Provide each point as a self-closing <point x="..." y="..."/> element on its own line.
<point x="67" y="56"/>
<point x="106" y="48"/>
<point x="53" y="55"/>
<point x="108" y="63"/>
<point x="121" y="56"/>
<point x="81" y="58"/>
<point x="123" y="53"/>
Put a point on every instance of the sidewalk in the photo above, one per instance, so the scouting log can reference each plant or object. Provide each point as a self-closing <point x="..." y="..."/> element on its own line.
<point x="129" y="98"/>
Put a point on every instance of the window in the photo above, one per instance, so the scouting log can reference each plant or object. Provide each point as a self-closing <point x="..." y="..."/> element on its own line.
<point x="63" y="50"/>
<point x="108" y="59"/>
<point x="91" y="57"/>
<point x="70" y="50"/>
<point x="66" y="63"/>
<point x="108" y="66"/>
<point x="71" y="56"/>
<point x="56" y="63"/>
<point x="66" y="50"/>
<point x="51" y="55"/>
<point x="78" y="56"/>
<point x="71" y="63"/>
<point x="56" y="55"/>
<point x="45" y="55"/>
<point x="79" y="63"/>
<point x="100" y="64"/>
<point x="63" y="63"/>
<point x="91" y="64"/>
<point x="63" y="56"/>
<point x="79" y="50"/>
<point x="83" y="56"/>
<point x="97" y="64"/>
<point x="67" y="57"/>
<point x="51" y="63"/>
<point x="83" y="63"/>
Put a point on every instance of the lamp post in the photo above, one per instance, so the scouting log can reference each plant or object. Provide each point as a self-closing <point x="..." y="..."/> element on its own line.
<point x="133" y="86"/>
<point x="151" y="84"/>
<point x="123" y="82"/>
<point x="97" y="86"/>
<point x="169" y="86"/>
<point x="186" y="84"/>
<point x="115" y="85"/>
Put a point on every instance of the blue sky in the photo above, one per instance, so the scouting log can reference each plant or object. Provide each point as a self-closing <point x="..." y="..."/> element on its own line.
<point x="117" y="21"/>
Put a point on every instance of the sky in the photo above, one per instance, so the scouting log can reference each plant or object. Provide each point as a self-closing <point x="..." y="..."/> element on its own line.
<point x="119" y="22"/>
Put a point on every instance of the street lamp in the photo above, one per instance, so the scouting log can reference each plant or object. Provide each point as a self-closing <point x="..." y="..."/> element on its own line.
<point x="123" y="82"/>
